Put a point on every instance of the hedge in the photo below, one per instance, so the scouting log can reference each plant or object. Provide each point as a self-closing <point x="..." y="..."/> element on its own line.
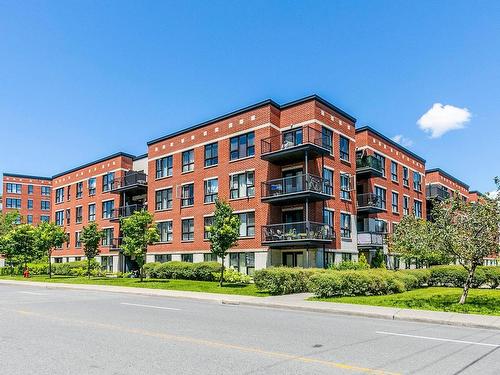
<point x="63" y="269"/>
<point x="203" y="271"/>
<point x="284" y="280"/>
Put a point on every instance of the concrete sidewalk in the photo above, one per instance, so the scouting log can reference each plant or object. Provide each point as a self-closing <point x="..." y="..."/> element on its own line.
<point x="296" y="302"/>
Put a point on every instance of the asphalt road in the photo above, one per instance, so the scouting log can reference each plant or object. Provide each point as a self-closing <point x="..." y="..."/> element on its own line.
<point x="54" y="331"/>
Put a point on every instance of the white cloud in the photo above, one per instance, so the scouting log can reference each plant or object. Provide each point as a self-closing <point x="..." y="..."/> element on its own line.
<point x="403" y="141"/>
<point x="440" y="119"/>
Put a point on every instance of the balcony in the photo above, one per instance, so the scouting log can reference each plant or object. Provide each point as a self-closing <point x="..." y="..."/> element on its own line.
<point x="291" y="146"/>
<point x="131" y="181"/>
<point x="370" y="239"/>
<point x="125" y="211"/>
<point x="296" y="189"/>
<point x="369" y="203"/>
<point x="368" y="166"/>
<point x="299" y="234"/>
<point x="437" y="192"/>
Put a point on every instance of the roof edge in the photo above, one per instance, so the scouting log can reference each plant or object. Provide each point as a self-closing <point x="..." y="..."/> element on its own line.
<point x="439" y="170"/>
<point x="27" y="176"/>
<point x="117" y="154"/>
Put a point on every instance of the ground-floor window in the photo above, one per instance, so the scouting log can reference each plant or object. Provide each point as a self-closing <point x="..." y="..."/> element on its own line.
<point x="329" y="259"/>
<point x="242" y="262"/>
<point x="57" y="260"/>
<point x="107" y="263"/>
<point x="396" y="263"/>
<point x="77" y="259"/>
<point x="209" y="257"/>
<point x="187" y="258"/>
<point x="162" y="258"/>
<point x="346" y="257"/>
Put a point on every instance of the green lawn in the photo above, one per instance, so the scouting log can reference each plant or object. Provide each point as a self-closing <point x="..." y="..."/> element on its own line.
<point x="187" y="285"/>
<point x="479" y="301"/>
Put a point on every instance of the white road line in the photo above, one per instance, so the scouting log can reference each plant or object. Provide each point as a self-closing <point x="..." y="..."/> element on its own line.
<point x="439" y="339"/>
<point x="33" y="293"/>
<point x="149" y="306"/>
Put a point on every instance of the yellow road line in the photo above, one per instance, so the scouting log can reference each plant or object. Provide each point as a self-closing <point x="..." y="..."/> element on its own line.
<point x="210" y="343"/>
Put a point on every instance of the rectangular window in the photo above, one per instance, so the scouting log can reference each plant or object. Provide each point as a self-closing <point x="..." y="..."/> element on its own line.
<point x="209" y="257"/>
<point x="108" y="208"/>
<point x="211" y="190"/>
<point x="164" y="167"/>
<point x="30" y="204"/>
<point x="60" y="218"/>
<point x="380" y="193"/>
<point x="45" y="205"/>
<point x="345" y="225"/>
<point x="242" y="146"/>
<point x="247" y="224"/>
<point x="188" y="229"/>
<point x="187" y="258"/>
<point x="380" y="226"/>
<point x="406" y="205"/>
<point x="187" y="195"/>
<point x="211" y="154"/>
<point x="417" y="208"/>
<point x="242" y="185"/>
<point x="92" y="185"/>
<point x="165" y="229"/>
<point x="345" y="186"/>
<point x="68" y="194"/>
<point x="77" y="240"/>
<point x="30" y="189"/>
<point x="163" y="199"/>
<point x="109" y="234"/>
<point x="382" y="162"/>
<point x="208" y="221"/>
<point x="188" y="161"/>
<point x="406" y="176"/>
<point x="13" y="188"/>
<point x="79" y="214"/>
<point x="327" y="181"/>
<point x="163" y="258"/>
<point x="107" y="263"/>
<point x="108" y="181"/>
<point x="242" y="262"/>
<point x="44" y="218"/>
<point x="79" y="190"/>
<point x="68" y="216"/>
<point x="328" y="217"/>
<point x="327" y="139"/>
<point x="395" y="202"/>
<point x="60" y="195"/>
<point x="13" y="203"/>
<point x="92" y="212"/>
<point x="394" y="171"/>
<point x="45" y="190"/>
<point x="344" y="148"/>
<point x="29" y="219"/>
<point x="417" y="181"/>
<point x="346" y="257"/>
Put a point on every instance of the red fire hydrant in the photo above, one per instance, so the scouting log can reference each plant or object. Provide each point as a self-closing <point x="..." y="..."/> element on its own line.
<point x="26" y="273"/>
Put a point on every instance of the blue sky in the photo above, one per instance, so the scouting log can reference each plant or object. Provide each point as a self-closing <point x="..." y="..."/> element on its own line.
<point x="82" y="79"/>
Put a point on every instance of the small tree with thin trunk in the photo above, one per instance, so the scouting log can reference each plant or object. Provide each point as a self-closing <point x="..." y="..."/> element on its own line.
<point x="91" y="238"/>
<point x="47" y="237"/>
<point x="7" y="224"/>
<point x="223" y="233"/>
<point x="21" y="244"/>
<point x="139" y="231"/>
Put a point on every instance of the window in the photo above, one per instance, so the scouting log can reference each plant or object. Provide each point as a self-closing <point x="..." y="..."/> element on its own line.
<point x="30" y="189"/>
<point x="59" y="195"/>
<point x="68" y="195"/>
<point x="45" y="205"/>
<point x="395" y="202"/>
<point x="406" y="176"/>
<point x="77" y="259"/>
<point x="247" y="224"/>
<point x="79" y="190"/>
<point x="344" y="148"/>
<point x="209" y="257"/>
<point x="242" y="146"/>
<point x="327" y="139"/>
<point x="18" y="220"/>
<point x="30" y="204"/>
<point x="188" y="229"/>
<point x="187" y="195"/>
<point x="208" y="221"/>
<point x="211" y="190"/>
<point x="380" y="193"/>
<point x="382" y="162"/>
<point x="68" y="216"/>
<point x="346" y="257"/>
<point x="92" y="212"/>
<point x="406" y="205"/>
<point x="79" y="214"/>
<point x="57" y="260"/>
<point x="108" y="181"/>
<point x="345" y="225"/>
<point x="242" y="262"/>
<point x="165" y="229"/>
<point x="109" y="234"/>
<point x="60" y="218"/>
<point x="211" y="154"/>
<point x="188" y="161"/>
<point x="44" y="218"/>
<point x="78" y="243"/>
<point x="328" y="217"/>
<point x="163" y="199"/>
<point x="417" y="183"/>
<point x="107" y="263"/>
<point x="242" y="185"/>
<point x="29" y="219"/>
<point x="345" y="186"/>
<point x="45" y="190"/>
<point x="164" y="167"/>
<point x="394" y="171"/>
<point x="417" y="208"/>
<point x="13" y="203"/>
<point x="13" y="188"/>
<point x="187" y="258"/>
<point x="108" y="208"/>
<point x="163" y="258"/>
<point x="327" y="181"/>
<point x="92" y="185"/>
<point x="380" y="226"/>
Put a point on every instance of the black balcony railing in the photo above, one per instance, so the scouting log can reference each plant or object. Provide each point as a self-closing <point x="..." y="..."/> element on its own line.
<point x="436" y="192"/>
<point x="112" y="243"/>
<point x="369" y="201"/>
<point x="371" y="239"/>
<point x="368" y="163"/>
<point x="297" y="232"/>
<point x="130" y="180"/>
<point x="295" y="138"/>
<point x="302" y="183"/>
<point x="126" y="211"/>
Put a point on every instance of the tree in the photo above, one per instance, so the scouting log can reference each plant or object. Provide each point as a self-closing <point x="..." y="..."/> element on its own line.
<point x="139" y="232"/>
<point x="8" y="222"/>
<point x="224" y="232"/>
<point x="378" y="259"/>
<point x="47" y="237"/>
<point x="21" y="244"/>
<point x="91" y="238"/>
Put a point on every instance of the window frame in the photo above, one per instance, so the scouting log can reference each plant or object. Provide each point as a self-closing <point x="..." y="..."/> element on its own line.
<point x="236" y="153"/>
<point x="249" y="188"/>
<point x="187" y="236"/>
<point x="210" y="197"/>
<point x="188" y="163"/>
<point x="344" y="154"/>
<point x="212" y="160"/>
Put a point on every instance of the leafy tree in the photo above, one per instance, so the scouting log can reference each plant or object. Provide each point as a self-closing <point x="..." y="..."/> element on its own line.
<point x="91" y="238"/>
<point x="7" y="224"/>
<point x="47" y="237"/>
<point x="378" y="259"/>
<point x="139" y="232"/>
<point x="21" y="244"/>
<point x="224" y="232"/>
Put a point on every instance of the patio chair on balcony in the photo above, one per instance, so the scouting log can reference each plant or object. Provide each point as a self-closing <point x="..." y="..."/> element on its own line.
<point x="276" y="189"/>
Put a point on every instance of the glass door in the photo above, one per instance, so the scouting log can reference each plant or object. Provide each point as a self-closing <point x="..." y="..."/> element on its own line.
<point x="292" y="181"/>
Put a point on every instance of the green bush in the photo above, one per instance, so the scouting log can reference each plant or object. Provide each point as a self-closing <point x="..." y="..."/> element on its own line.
<point x="492" y="276"/>
<point x="234" y="277"/>
<point x="284" y="280"/>
<point x="202" y="271"/>
<point x="349" y="265"/>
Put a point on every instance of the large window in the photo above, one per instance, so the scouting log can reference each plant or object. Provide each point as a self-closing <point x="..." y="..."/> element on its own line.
<point x="211" y="190"/>
<point x="242" y="185"/>
<point x="406" y="177"/>
<point x="345" y="186"/>
<point x="163" y="258"/>
<point x="327" y="181"/>
<point x="60" y="218"/>
<point x="406" y="205"/>
<point x="187" y="258"/>
<point x="107" y="263"/>
<point x="395" y="202"/>
<point x="45" y="205"/>
<point x="30" y="189"/>
<point x="92" y="212"/>
<point x="79" y="214"/>
<point x="109" y="234"/>
<point x="247" y="224"/>
<point x="242" y="146"/>
<point x="187" y="195"/>
<point x="108" y="208"/>
<point x="382" y="162"/>
<point x="13" y="203"/>
<point x="394" y="171"/>
<point x="164" y="199"/>
<point x="380" y="193"/>
<point x="44" y="218"/>
<point x="45" y="190"/>
<point x="417" y="208"/>
<point x="380" y="226"/>
<point x="328" y="217"/>
<point x="107" y="181"/>
<point x="78" y="243"/>
<point x="60" y="195"/>
<point x="164" y="167"/>
<point x="165" y="229"/>
<point x="326" y="139"/>
<point x="211" y="154"/>
<point x="188" y="161"/>
<point x="79" y="190"/>
<point x="209" y="257"/>
<point x="208" y="221"/>
<point x="14" y="188"/>
<point x="417" y="181"/>
<point x="242" y="262"/>
<point x="345" y="225"/>
<point x="344" y="148"/>
<point x="92" y="185"/>
<point x="188" y="229"/>
<point x="30" y="204"/>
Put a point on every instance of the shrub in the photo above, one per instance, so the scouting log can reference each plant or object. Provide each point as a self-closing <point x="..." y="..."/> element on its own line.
<point x="348" y="265"/>
<point x="284" y="280"/>
<point x="492" y="276"/>
<point x="234" y="277"/>
<point x="203" y="271"/>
